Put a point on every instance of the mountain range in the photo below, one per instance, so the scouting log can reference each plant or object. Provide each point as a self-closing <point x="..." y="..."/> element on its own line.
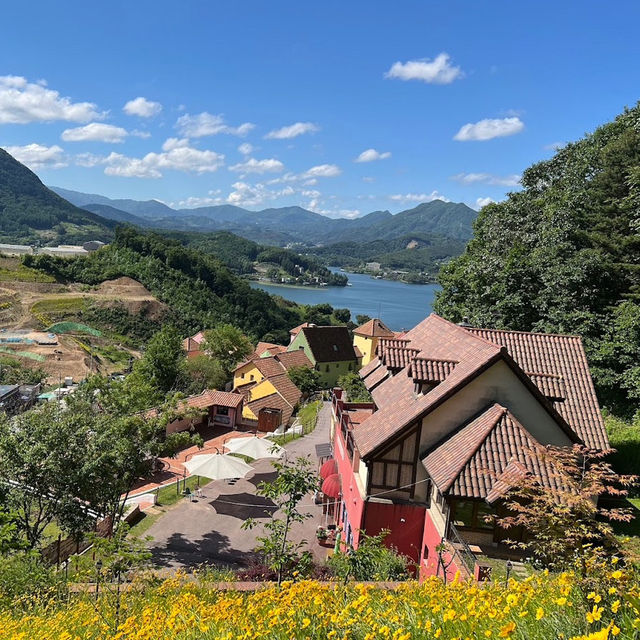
<point x="285" y="225"/>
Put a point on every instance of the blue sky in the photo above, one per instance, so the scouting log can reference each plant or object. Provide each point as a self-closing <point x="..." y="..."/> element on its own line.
<point x="340" y="107"/>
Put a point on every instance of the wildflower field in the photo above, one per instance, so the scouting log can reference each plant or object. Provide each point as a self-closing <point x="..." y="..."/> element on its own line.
<point x="541" y="607"/>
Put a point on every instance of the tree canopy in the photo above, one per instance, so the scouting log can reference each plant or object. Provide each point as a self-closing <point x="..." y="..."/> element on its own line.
<point x="563" y="255"/>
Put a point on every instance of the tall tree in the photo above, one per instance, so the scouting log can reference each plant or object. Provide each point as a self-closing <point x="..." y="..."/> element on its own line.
<point x="563" y="255"/>
<point x="228" y="345"/>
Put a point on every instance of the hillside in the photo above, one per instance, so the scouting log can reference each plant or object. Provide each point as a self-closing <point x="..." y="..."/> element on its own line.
<point x="286" y="225"/>
<point x="417" y="253"/>
<point x="198" y="289"/>
<point x="563" y="255"/>
<point x="30" y="213"/>
<point x="244" y="256"/>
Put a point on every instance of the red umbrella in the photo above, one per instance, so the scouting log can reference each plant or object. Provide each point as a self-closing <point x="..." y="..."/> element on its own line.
<point x="328" y="468"/>
<point x="331" y="486"/>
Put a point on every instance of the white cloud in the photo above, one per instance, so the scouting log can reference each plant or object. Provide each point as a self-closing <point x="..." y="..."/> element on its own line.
<point x="436" y="71"/>
<point x="418" y="197"/>
<point x="213" y="198"/>
<point x="37" y="156"/>
<point x="207" y="124"/>
<point x="247" y="195"/>
<point x="487" y="178"/>
<point x="95" y="132"/>
<point x="140" y="134"/>
<point x="245" y="149"/>
<point x="142" y="107"/>
<point x="489" y="128"/>
<point x="322" y="171"/>
<point x="368" y="179"/>
<point x="483" y="202"/>
<point x="371" y="154"/>
<point x="22" y="102"/>
<point x="251" y="165"/>
<point x="177" y="155"/>
<point x="292" y="131"/>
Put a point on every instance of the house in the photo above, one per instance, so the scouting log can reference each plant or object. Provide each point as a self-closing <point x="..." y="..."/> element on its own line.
<point x="256" y="369"/>
<point x="271" y="402"/>
<point x="214" y="408"/>
<point x="296" y="330"/>
<point x="366" y="336"/>
<point x="329" y="349"/>
<point x="266" y="349"/>
<point x="10" y="398"/>
<point x="193" y="345"/>
<point x="457" y="415"/>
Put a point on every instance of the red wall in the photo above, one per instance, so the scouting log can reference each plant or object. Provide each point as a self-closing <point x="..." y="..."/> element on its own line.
<point x="430" y="540"/>
<point x="350" y="492"/>
<point x="405" y="523"/>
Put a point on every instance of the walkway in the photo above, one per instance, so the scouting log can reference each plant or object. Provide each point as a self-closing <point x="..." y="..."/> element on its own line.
<point x="208" y="530"/>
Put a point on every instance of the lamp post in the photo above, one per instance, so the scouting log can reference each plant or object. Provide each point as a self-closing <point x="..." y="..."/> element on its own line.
<point x="509" y="567"/>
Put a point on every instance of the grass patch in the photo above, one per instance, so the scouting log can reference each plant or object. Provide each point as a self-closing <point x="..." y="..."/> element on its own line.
<point x="308" y="416"/>
<point x="170" y="495"/>
<point x="14" y="270"/>
<point x="145" y="523"/>
<point x="61" y="305"/>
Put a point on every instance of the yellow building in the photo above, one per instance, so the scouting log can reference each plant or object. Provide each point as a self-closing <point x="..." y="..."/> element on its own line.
<point x="366" y="336"/>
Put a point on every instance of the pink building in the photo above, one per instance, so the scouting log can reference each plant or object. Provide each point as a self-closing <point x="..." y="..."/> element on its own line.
<point x="455" y="415"/>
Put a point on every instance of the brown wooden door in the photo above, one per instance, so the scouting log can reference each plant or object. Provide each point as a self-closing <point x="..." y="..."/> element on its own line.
<point x="269" y="420"/>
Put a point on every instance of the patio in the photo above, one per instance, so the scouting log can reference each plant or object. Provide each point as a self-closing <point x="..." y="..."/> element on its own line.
<point x="208" y="529"/>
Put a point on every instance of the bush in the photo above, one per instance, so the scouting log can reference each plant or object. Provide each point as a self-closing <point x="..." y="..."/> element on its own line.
<point x="372" y="560"/>
<point x="25" y="574"/>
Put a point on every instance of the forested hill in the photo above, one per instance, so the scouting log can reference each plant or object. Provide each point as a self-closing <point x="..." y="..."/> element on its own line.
<point x="30" y="213"/>
<point x="199" y="289"/>
<point x="563" y="255"/>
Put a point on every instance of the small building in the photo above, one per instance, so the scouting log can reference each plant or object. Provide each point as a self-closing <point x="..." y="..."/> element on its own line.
<point x="93" y="245"/>
<point x="257" y="369"/>
<point x="366" y="337"/>
<point x="193" y="345"/>
<point x="457" y="416"/>
<point x="15" y="249"/>
<point x="296" y="330"/>
<point x="373" y="266"/>
<point x="271" y="402"/>
<point x="10" y="399"/>
<point x="329" y="349"/>
<point x="64" y="251"/>
<point x="217" y="408"/>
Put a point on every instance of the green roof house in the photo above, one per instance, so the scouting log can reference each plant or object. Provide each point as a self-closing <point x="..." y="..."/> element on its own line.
<point x="330" y="349"/>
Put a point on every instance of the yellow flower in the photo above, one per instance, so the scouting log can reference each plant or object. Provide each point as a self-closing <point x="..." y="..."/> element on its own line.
<point x="507" y="630"/>
<point x="595" y="614"/>
<point x="305" y="623"/>
<point x="539" y="613"/>
<point x="616" y="575"/>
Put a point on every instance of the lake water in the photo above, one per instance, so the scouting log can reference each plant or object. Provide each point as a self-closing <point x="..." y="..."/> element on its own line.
<point x="399" y="305"/>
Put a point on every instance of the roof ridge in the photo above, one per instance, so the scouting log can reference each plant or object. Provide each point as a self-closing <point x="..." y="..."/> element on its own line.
<point x="464" y="329"/>
<point x="528" y="333"/>
<point x="432" y="359"/>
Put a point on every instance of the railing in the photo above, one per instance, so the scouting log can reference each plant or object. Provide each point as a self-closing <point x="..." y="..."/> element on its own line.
<point x="461" y="549"/>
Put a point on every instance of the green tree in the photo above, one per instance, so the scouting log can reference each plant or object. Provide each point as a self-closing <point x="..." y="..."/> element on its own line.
<point x="362" y="318"/>
<point x="562" y="255"/>
<point x="294" y="480"/>
<point x="354" y="387"/>
<point x="342" y="315"/>
<point x="305" y="378"/>
<point x="203" y="372"/>
<point x="228" y="345"/>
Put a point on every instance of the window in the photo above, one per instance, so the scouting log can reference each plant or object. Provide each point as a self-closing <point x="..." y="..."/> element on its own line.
<point x="335" y="348"/>
<point x="251" y="377"/>
<point x="471" y="514"/>
<point x="327" y="368"/>
<point x="242" y="376"/>
<point x="222" y="411"/>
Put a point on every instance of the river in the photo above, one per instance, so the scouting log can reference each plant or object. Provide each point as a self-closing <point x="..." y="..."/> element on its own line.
<point x="399" y="305"/>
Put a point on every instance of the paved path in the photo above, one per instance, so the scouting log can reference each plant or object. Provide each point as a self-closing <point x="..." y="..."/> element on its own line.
<point x="209" y="529"/>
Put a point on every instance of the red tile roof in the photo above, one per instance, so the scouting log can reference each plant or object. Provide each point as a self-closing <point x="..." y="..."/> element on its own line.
<point x="398" y="406"/>
<point x="269" y="367"/>
<point x="547" y="356"/>
<point x="554" y="359"/>
<point x="263" y="347"/>
<point x="296" y="330"/>
<point x="206" y="399"/>
<point x="486" y="456"/>
<point x="357" y="352"/>
<point x="396" y="358"/>
<point x="430" y="370"/>
<point x="376" y="377"/>
<point x="370" y="367"/>
<point x="290" y="359"/>
<point x="374" y="328"/>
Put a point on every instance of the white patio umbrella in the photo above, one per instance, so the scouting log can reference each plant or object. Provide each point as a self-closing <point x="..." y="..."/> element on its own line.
<point x="254" y="447"/>
<point x="217" y="466"/>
